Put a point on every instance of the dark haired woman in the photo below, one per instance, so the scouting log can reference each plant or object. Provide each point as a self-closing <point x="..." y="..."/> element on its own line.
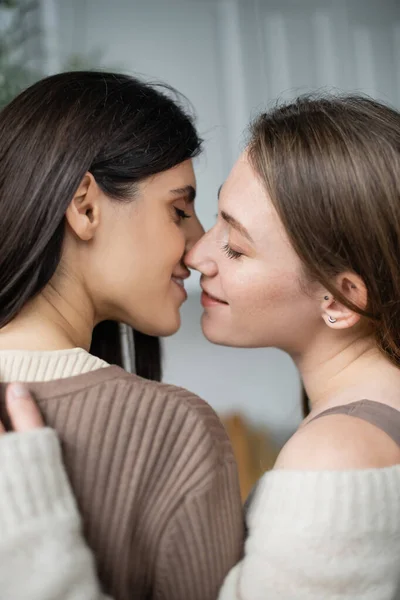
<point x="97" y="194"/>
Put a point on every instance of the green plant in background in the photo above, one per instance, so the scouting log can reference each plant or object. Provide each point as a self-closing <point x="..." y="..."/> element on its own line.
<point x="20" y="49"/>
<point x="16" y="71"/>
<point x="8" y="3"/>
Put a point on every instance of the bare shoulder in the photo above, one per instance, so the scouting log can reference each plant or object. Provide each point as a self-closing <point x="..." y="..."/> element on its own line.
<point x="338" y="442"/>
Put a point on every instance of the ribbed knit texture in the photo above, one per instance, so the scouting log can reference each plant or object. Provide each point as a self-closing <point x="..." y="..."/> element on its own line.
<point x="154" y="477"/>
<point x="21" y="365"/>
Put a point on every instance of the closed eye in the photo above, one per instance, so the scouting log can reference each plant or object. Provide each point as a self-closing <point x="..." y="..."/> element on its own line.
<point x="181" y="214"/>
<point x="234" y="254"/>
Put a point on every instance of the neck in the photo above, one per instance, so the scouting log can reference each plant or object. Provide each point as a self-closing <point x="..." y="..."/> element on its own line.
<point x="60" y="317"/>
<point x="347" y="370"/>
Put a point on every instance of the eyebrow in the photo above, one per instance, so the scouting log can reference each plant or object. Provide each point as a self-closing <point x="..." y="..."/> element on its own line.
<point x="187" y="191"/>
<point x="236" y="225"/>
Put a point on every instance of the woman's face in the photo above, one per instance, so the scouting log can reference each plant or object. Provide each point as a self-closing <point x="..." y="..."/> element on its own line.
<point x="137" y="271"/>
<point x="251" y="276"/>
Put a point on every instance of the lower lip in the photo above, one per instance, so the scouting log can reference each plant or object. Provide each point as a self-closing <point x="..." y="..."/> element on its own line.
<point x="182" y="289"/>
<point x="207" y="301"/>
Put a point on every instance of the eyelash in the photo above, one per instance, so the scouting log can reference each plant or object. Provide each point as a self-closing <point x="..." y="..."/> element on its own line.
<point x="230" y="252"/>
<point x="181" y="214"/>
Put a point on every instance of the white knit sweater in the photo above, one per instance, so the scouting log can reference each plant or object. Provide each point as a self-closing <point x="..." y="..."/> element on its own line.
<point x="43" y="555"/>
<point x="312" y="535"/>
<point x="322" y="535"/>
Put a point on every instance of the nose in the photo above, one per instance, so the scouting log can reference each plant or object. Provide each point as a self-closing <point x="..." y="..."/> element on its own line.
<point x="194" y="232"/>
<point x="200" y="258"/>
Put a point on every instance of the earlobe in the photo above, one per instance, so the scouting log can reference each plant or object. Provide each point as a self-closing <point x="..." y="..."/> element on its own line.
<point x="337" y="315"/>
<point x="343" y="318"/>
<point x="83" y="212"/>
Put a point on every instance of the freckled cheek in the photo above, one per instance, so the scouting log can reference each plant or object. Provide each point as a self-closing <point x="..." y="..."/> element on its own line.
<point x="258" y="292"/>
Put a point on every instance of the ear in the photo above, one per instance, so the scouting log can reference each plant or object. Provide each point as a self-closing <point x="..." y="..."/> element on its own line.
<point x="83" y="212"/>
<point x="334" y="313"/>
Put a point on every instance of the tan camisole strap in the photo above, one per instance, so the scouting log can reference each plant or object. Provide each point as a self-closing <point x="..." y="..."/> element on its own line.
<point x="381" y="415"/>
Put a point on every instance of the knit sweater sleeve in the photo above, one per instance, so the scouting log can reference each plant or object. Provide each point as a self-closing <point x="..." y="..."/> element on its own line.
<point x="321" y="535"/>
<point x="43" y="555"/>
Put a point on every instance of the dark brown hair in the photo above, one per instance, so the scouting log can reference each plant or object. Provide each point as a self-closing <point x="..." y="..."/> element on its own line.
<point x="332" y="168"/>
<point x="107" y="345"/>
<point x="120" y="129"/>
<point x="305" y="402"/>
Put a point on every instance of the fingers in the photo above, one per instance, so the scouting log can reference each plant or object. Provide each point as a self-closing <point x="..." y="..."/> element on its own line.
<point x="23" y="412"/>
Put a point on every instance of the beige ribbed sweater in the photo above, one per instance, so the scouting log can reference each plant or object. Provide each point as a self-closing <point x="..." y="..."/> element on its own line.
<point x="151" y="468"/>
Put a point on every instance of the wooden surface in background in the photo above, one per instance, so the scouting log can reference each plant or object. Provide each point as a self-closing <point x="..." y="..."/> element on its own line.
<point x="254" y="451"/>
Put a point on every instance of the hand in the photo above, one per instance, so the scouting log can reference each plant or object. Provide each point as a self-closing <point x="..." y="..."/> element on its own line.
<point x="22" y="409"/>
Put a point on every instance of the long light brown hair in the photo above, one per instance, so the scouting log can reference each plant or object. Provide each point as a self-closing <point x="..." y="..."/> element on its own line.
<point x="331" y="166"/>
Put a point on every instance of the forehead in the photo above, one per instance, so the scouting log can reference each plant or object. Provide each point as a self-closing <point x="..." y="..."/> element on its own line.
<point x="180" y="176"/>
<point x="244" y="197"/>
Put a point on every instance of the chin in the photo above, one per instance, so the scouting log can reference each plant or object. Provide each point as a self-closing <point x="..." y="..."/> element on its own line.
<point x="222" y="335"/>
<point x="168" y="331"/>
<point x="164" y="328"/>
<point x="215" y="335"/>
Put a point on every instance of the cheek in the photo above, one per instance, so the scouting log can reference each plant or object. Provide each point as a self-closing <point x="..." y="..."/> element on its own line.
<point x="165" y="252"/>
<point x="258" y="291"/>
<point x="155" y="249"/>
<point x="175" y="243"/>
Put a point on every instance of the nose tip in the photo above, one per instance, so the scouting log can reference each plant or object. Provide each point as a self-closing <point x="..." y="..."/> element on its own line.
<point x="187" y="257"/>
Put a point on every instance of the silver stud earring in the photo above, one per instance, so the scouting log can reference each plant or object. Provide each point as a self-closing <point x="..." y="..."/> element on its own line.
<point x="326" y="297"/>
<point x="331" y="319"/>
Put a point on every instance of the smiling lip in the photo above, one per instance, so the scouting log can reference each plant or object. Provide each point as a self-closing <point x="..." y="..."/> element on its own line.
<point x="179" y="282"/>
<point x="207" y="300"/>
